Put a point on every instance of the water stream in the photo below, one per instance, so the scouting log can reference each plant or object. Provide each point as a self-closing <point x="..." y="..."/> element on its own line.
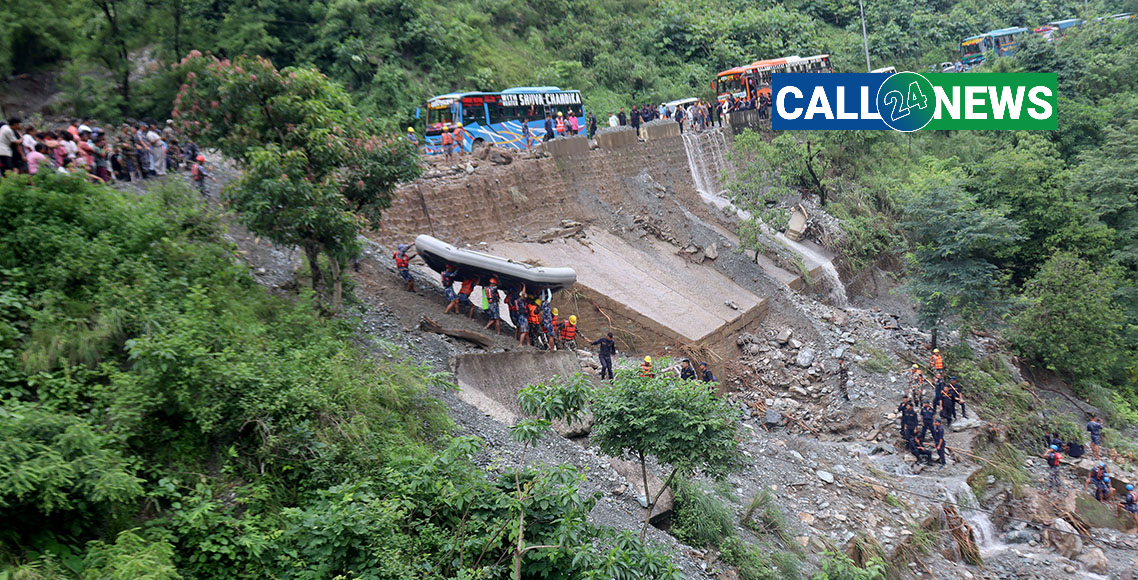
<point x="987" y="537"/>
<point x="707" y="154"/>
<point x="838" y="296"/>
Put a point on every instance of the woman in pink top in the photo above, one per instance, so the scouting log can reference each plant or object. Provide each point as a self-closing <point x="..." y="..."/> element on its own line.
<point x="35" y="158"/>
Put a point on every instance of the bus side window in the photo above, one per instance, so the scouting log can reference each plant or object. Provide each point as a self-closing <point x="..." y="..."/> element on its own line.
<point x="473" y="114"/>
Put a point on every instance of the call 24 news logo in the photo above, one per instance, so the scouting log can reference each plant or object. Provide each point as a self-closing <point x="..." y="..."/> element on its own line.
<point x="909" y="101"/>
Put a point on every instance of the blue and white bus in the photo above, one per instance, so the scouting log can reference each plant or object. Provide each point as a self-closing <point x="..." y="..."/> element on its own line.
<point x="1003" y="42"/>
<point x="496" y="118"/>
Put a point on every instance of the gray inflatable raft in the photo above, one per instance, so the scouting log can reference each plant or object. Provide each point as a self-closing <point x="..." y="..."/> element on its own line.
<point x="473" y="264"/>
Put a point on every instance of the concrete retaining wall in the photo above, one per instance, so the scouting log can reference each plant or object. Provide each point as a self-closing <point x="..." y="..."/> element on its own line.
<point x="616" y="138"/>
<point x="567" y="147"/>
<point x="749" y="119"/>
<point x="659" y="130"/>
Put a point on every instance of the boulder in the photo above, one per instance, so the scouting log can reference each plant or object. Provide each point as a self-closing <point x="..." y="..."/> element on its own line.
<point x="965" y="423"/>
<point x="1019" y="536"/>
<point x="631" y="473"/>
<point x="711" y="252"/>
<point x="805" y="358"/>
<point x="1095" y="561"/>
<point x="1063" y="537"/>
<point x="784" y="336"/>
<point x="825" y="476"/>
<point x="773" y="418"/>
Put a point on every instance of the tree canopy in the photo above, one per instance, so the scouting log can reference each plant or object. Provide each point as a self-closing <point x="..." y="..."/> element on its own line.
<point x="316" y="170"/>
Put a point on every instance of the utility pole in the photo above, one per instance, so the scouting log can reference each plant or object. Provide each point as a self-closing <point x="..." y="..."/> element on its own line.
<point x="864" y="37"/>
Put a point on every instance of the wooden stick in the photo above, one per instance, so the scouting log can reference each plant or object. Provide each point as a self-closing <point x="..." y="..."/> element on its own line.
<point x="431" y="326"/>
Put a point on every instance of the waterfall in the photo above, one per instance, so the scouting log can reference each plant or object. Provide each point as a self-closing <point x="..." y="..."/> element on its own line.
<point x="838" y="294"/>
<point x="708" y="161"/>
<point x="985" y="533"/>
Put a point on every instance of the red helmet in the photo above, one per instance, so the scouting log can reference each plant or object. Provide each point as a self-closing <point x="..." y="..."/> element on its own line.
<point x="200" y="159"/>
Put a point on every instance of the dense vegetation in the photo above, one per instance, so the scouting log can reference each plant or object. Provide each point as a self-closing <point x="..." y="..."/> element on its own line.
<point x="162" y="416"/>
<point x="394" y="54"/>
<point x="1032" y="233"/>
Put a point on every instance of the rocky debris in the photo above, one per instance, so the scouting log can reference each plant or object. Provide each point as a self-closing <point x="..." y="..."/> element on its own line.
<point x="1063" y="537"/>
<point x="731" y="304"/>
<point x="825" y="476"/>
<point x="567" y="229"/>
<point x="711" y="252"/>
<point x="656" y="228"/>
<point x="805" y="358"/>
<point x="495" y="155"/>
<point x="1095" y="561"/>
<point x="773" y="418"/>
<point x="784" y="336"/>
<point x="1023" y="536"/>
<point x="966" y="423"/>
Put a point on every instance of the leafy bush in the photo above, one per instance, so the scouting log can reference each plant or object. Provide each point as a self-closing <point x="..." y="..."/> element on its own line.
<point x="750" y="561"/>
<point x="699" y="517"/>
<point x="838" y="566"/>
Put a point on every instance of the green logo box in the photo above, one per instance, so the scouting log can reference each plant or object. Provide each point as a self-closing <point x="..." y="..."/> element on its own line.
<point x="994" y="101"/>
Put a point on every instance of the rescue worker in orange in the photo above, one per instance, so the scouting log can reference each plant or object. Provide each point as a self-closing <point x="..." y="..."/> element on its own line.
<point x="936" y="362"/>
<point x="560" y="125"/>
<point x="403" y="266"/>
<point x="533" y="316"/>
<point x="569" y="333"/>
<point x="464" y="294"/>
<point x="646" y="368"/>
<point x="916" y="384"/>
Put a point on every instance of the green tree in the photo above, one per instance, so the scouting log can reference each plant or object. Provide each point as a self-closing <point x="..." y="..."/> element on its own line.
<point x="679" y="423"/>
<point x="552" y="401"/>
<point x="316" y="171"/>
<point x="1069" y="321"/>
<point x="955" y="242"/>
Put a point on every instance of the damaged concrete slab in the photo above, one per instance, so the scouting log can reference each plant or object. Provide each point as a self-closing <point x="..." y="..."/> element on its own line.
<point x="661" y="297"/>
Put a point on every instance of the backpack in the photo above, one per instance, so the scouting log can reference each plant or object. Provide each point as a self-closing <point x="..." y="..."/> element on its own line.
<point x="1054" y="461"/>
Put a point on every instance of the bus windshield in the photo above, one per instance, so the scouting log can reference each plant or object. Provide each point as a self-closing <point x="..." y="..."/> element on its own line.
<point x="973" y="46"/>
<point x="439" y="116"/>
<point x="732" y="83"/>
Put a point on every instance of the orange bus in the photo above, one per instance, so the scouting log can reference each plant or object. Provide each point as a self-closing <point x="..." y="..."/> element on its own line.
<point x="752" y="80"/>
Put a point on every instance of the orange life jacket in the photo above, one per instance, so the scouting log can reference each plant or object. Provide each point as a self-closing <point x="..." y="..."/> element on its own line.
<point x="560" y="125"/>
<point x="534" y="317"/>
<point x="447" y="139"/>
<point x="569" y="331"/>
<point x="467" y="286"/>
<point x="401" y="260"/>
<point x="937" y="362"/>
<point x="554" y="319"/>
<point x="646" y="370"/>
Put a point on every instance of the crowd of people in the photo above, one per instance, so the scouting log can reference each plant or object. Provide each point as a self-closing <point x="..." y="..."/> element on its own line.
<point x="136" y="151"/>
<point x="921" y="415"/>
<point x="696" y="116"/>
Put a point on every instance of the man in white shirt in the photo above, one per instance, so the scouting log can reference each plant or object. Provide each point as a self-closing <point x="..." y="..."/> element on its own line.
<point x="613" y="121"/>
<point x="10" y="155"/>
<point x="157" y="150"/>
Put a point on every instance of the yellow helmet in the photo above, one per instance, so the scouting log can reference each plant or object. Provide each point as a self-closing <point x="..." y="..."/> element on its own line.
<point x="555" y="312"/>
<point x="559" y="113"/>
<point x="916" y="366"/>
<point x="538" y="302"/>
<point x="459" y="125"/>
<point x="410" y="129"/>
<point x="936" y="350"/>
<point x="648" y="359"/>
<point x="572" y="319"/>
